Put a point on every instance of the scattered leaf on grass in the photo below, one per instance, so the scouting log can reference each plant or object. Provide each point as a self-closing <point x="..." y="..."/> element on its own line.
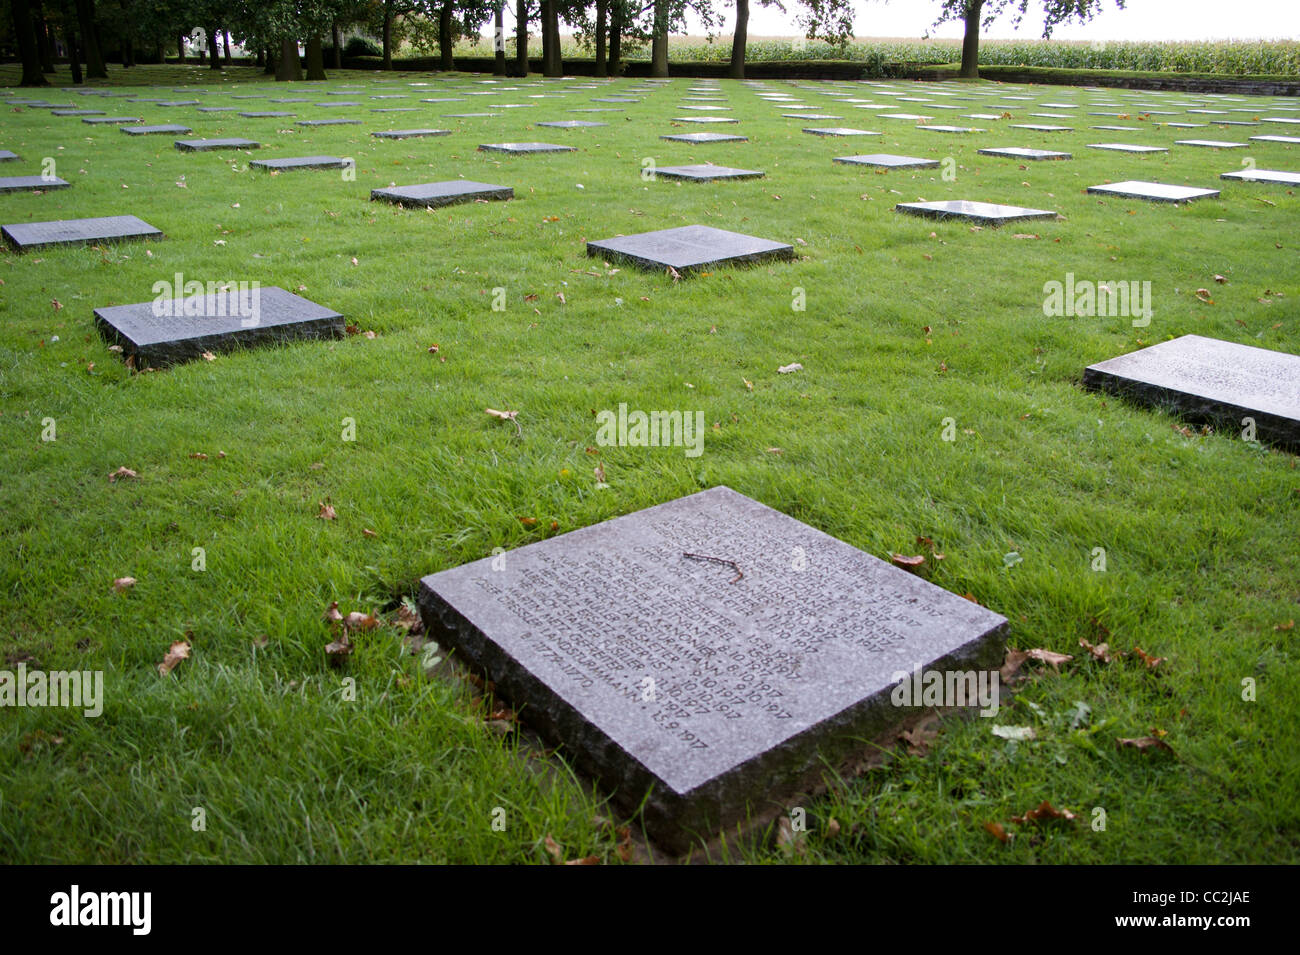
<point x="122" y="472"/>
<point x="1013" y="661"/>
<point x="1144" y="743"/>
<point x="908" y="562"/>
<point x="357" y="620"/>
<point x="787" y="369"/>
<point x="553" y="848"/>
<point x="1044" y="812"/>
<point x="408" y="619"/>
<point x="1017" y="733"/>
<point x="326" y="512"/>
<point x="333" y="615"/>
<point x="1148" y="659"/>
<point x="340" y="647"/>
<point x="1050" y="657"/>
<point x="1000" y="834"/>
<point x="1100" y="651"/>
<point x="180" y="650"/>
<point x="1203" y="294"/>
<point x="121" y="584"/>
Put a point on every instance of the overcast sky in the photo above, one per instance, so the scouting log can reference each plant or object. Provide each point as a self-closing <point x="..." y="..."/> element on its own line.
<point x="1140" y="20"/>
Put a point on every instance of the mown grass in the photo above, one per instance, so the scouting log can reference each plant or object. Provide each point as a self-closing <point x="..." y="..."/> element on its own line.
<point x="908" y="322"/>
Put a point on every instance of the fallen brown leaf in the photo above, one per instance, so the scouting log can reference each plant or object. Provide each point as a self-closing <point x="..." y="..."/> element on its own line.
<point x="121" y="584"/>
<point x="1045" y="811"/>
<point x="1144" y="743"/>
<point x="998" y="832"/>
<point x="122" y="472"/>
<point x="1050" y="657"/>
<point x="180" y="650"/>
<point x="326" y="512"/>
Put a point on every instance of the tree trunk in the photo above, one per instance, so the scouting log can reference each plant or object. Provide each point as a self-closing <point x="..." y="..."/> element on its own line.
<point x="737" y="69"/>
<point x="970" y="44"/>
<point x="95" y="69"/>
<point x="521" y="37"/>
<point x="499" y="40"/>
<point x="128" y="52"/>
<point x="268" y="68"/>
<point x="74" y="60"/>
<point x="44" y="38"/>
<point x="445" y="38"/>
<point x="160" y="49"/>
<point x="315" y="58"/>
<point x="214" y="51"/>
<point x="180" y="48"/>
<point x="602" y="13"/>
<point x="225" y="42"/>
<point x="289" y="69"/>
<point x="615" y="37"/>
<point x="388" y="34"/>
<point x="552" y="62"/>
<point x="25" y="34"/>
<point x="659" y="40"/>
<point x="336" y="57"/>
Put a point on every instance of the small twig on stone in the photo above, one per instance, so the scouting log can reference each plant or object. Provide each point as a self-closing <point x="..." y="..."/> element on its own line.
<point x="718" y="560"/>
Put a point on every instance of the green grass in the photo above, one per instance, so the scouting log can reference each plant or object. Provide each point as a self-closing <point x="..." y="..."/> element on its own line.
<point x="1199" y="530"/>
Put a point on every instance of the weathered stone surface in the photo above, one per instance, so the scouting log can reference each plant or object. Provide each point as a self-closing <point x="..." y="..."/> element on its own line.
<point x="409" y="133"/>
<point x="77" y="112"/>
<point x="208" y="145"/>
<point x="937" y="128"/>
<point x="1290" y="140"/>
<point x="839" y="131"/>
<point x="705" y="138"/>
<point x="1128" y="148"/>
<point x="1153" y="191"/>
<point x="433" y="194"/>
<point x="172" y="128"/>
<point x="1209" y="144"/>
<point x="1264" y="175"/>
<point x="38" y="235"/>
<point x="524" y="148"/>
<point x="7" y="156"/>
<point x="573" y="124"/>
<point x="267" y="114"/>
<point x="109" y="120"/>
<point x="328" y="122"/>
<point x="707" y="687"/>
<point x="705" y="172"/>
<point x="157" y="334"/>
<point x="25" y="183"/>
<point x="301" y="162"/>
<point x="689" y="248"/>
<point x="1042" y="128"/>
<point x="987" y="213"/>
<point x="1018" y="152"/>
<point x="1208" y="380"/>
<point x="888" y="161"/>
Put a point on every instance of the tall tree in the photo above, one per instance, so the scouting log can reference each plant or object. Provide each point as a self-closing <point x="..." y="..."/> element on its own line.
<point x="602" y="25"/>
<point x="446" y="36"/>
<point x="44" y="37"/>
<point x="521" y="37"/>
<point x="981" y="13"/>
<point x="552" y="61"/>
<point x="659" y="41"/>
<point x="617" y="17"/>
<point x="499" y="39"/>
<point x="315" y="57"/>
<point x="95" y="69"/>
<point x="25" y="34"/>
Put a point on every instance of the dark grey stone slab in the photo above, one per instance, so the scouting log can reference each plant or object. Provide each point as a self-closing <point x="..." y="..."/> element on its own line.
<point x="1042" y="128"/>
<point x="689" y="248"/>
<point x="340" y="103"/>
<point x="178" y="102"/>
<point x="27" y="183"/>
<point x="807" y="116"/>
<point x="1291" y="140"/>
<point x="914" y="117"/>
<point x="525" y="148"/>
<point x="1018" y="152"/>
<point x="328" y="122"/>
<point x="172" y="128"/>
<point x="77" y="112"/>
<point x="409" y="133"/>
<point x="109" y="120"/>
<point x="217" y="109"/>
<point x="950" y="129"/>
<point x="1210" y="144"/>
<point x="705" y="138"/>
<point x="987" y="213"/>
<point x="395" y="109"/>
<point x="1264" y="175"/>
<point x="1128" y="148"/>
<point x="25" y="236"/>
<point x="301" y="162"/>
<point x="7" y="156"/>
<point x="290" y="99"/>
<point x="433" y="194"/>
<point x="207" y="145"/>
<point x="1153" y="191"/>
<point x="1208" y="380"/>
<point x="572" y="124"/>
<point x="266" y="114"/>
<point x="165" y="332"/>
<point x="708" y="690"/>
<point x="614" y="99"/>
<point x="888" y="161"/>
<point x="705" y="172"/>
<point x="704" y="120"/>
<point x="839" y="131"/>
<point x="468" y="115"/>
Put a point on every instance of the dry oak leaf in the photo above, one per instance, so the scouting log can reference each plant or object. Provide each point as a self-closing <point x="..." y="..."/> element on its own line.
<point x="903" y="560"/>
<point x="502" y="415"/>
<point x="408" y="619"/>
<point x="340" y="647"/>
<point x="122" y="472"/>
<point x="180" y="650"/>
<point x="1148" y="659"/>
<point x="1044" y="812"/>
<point x="332" y="614"/>
<point x="585" y="860"/>
<point x="326" y="512"/>
<point x="1013" y="661"/>
<point x="553" y="849"/>
<point x="123" y="583"/>
<point x="1144" y="743"/>
<point x="997" y="831"/>
<point x="1100" y="651"/>
<point x="357" y="620"/>
<point x="1050" y="657"/>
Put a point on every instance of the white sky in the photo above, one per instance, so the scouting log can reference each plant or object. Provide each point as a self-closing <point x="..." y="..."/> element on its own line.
<point x="1140" y="20"/>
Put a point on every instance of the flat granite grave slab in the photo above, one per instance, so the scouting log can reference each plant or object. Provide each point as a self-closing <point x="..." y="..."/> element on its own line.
<point x="1208" y="380"/>
<point x="1209" y="143"/>
<point x="77" y="112"/>
<point x="1042" y="128"/>
<point x="572" y="124"/>
<point x="525" y="148"/>
<point x="25" y="183"/>
<point x="1264" y="175"/>
<point x="987" y="213"/>
<point x="951" y="129"/>
<point x="302" y="162"/>
<point x="888" y="161"/>
<point x="217" y="109"/>
<point x="109" y="120"/>
<point x="207" y="145"/>
<point x="327" y="122"/>
<point x="705" y="172"/>
<point x="409" y="133"/>
<point x="7" y="156"/>
<point x="704" y="120"/>
<point x="675" y="655"/>
<point x="1019" y="152"/>
<point x="1292" y="140"/>
<point x="1153" y="191"/>
<point x="1128" y="148"/>
<point x="689" y="248"/>
<point x="266" y="114"/>
<point x="172" y="128"/>
<point x="433" y="194"/>
<point x="705" y="138"/>
<point x="161" y="333"/>
<point x="25" y="236"/>
<point x="839" y="131"/>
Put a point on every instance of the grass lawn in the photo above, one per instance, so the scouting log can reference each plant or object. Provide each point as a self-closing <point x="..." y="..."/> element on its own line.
<point x="908" y="322"/>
